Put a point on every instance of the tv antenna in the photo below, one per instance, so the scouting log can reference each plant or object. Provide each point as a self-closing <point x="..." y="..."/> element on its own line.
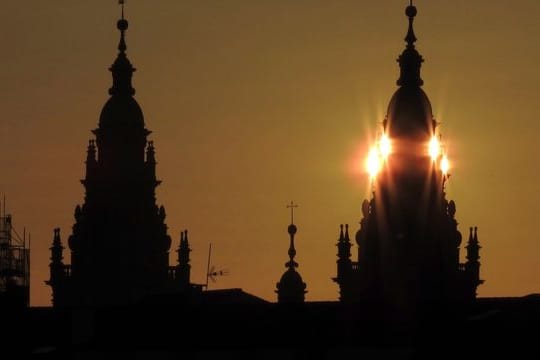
<point x="211" y="272"/>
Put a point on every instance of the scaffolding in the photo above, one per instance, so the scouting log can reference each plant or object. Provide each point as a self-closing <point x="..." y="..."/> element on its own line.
<point x="14" y="264"/>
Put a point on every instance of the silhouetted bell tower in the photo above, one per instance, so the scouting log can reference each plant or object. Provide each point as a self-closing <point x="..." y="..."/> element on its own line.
<point x="408" y="242"/>
<point x="119" y="244"/>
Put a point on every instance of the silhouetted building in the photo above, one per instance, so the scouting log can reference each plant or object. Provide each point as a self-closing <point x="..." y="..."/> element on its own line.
<point x="408" y="256"/>
<point x="408" y="242"/>
<point x="14" y="266"/>
<point x="119" y="244"/>
<point x="290" y="288"/>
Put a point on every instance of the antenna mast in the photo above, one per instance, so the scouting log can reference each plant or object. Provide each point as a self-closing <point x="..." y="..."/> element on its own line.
<point x="208" y="265"/>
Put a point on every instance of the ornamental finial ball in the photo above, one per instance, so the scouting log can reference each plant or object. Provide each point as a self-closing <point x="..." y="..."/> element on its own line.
<point x="410" y="11"/>
<point x="292" y="229"/>
<point x="122" y="24"/>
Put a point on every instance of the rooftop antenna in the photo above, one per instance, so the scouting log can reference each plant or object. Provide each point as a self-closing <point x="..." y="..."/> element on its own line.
<point x="208" y="265"/>
<point x="28" y="250"/>
<point x="211" y="273"/>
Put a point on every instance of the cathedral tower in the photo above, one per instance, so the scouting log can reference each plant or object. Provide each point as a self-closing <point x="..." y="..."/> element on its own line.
<point x="408" y="242"/>
<point x="119" y="244"/>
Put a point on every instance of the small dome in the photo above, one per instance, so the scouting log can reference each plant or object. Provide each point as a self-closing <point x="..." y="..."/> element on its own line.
<point x="121" y="111"/>
<point x="409" y="113"/>
<point x="291" y="279"/>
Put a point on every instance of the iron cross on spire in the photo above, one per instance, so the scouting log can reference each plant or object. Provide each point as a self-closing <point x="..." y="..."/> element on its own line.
<point x="291" y="206"/>
<point x="122" y="2"/>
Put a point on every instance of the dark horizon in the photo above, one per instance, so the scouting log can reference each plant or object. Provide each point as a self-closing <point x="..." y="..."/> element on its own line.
<point x="254" y="105"/>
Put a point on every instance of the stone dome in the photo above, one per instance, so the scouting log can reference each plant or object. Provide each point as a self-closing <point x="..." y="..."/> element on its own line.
<point x="292" y="279"/>
<point x="409" y="113"/>
<point x="121" y="111"/>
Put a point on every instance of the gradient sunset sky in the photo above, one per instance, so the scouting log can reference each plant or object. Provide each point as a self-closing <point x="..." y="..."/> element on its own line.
<point x="253" y="104"/>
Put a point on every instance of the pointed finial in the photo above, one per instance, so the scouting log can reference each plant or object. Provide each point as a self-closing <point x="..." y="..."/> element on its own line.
<point x="341" y="237"/>
<point x="91" y="152"/>
<point x="411" y="12"/>
<point x="122" y="25"/>
<point x="56" y="239"/>
<point x="121" y="68"/>
<point x="150" y="153"/>
<point x="121" y="2"/>
<point x="410" y="60"/>
<point x="291" y="264"/>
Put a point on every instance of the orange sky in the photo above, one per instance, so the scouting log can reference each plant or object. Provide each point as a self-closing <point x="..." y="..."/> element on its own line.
<point x="253" y="104"/>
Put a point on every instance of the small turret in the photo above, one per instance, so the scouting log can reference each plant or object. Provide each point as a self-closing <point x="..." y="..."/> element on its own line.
<point x="57" y="249"/>
<point x="151" y="162"/>
<point x="91" y="163"/>
<point x="290" y="288"/>
<point x="473" y="247"/>
<point x="57" y="278"/>
<point x="150" y="154"/>
<point x="91" y="154"/>
<point x="183" y="269"/>
<point x="344" y="250"/>
<point x="472" y="266"/>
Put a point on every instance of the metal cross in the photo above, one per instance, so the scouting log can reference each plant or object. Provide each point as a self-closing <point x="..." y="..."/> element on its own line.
<point x="291" y="206"/>
<point x="121" y="2"/>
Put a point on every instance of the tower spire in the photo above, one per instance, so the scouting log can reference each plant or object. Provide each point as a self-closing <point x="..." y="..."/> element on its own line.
<point x="291" y="264"/>
<point x="291" y="288"/>
<point x="122" y="25"/>
<point x="410" y="60"/>
<point x="122" y="69"/>
<point x="411" y="13"/>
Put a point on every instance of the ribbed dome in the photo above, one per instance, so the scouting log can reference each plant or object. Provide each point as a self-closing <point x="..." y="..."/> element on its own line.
<point x="409" y="113"/>
<point x="121" y="111"/>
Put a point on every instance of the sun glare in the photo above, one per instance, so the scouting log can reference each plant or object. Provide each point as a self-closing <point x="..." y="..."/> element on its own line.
<point x="373" y="162"/>
<point x="384" y="146"/>
<point x="434" y="148"/>
<point x="445" y="165"/>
